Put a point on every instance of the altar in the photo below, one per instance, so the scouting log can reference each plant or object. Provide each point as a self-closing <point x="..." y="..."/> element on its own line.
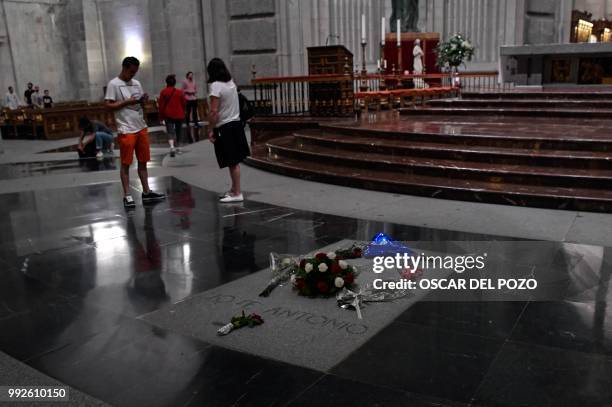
<point x="558" y="64"/>
<point x="392" y="53"/>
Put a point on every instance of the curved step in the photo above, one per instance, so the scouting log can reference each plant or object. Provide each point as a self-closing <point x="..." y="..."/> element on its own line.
<point x="393" y="182"/>
<point x="489" y="172"/>
<point x="576" y="95"/>
<point x="524" y="156"/>
<point x="522" y="103"/>
<point x="595" y="137"/>
<point x="542" y="112"/>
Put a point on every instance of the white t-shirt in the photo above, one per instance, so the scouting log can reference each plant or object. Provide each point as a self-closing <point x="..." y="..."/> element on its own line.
<point x="11" y="100"/>
<point x="130" y="119"/>
<point x="229" y="107"/>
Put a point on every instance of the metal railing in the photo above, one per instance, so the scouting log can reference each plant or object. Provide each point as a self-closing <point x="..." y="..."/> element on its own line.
<point x="334" y="95"/>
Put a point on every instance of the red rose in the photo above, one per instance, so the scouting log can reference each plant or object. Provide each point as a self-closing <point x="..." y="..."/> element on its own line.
<point x="303" y="263"/>
<point x="349" y="278"/>
<point x="299" y="283"/>
<point x="357" y="252"/>
<point x="321" y="256"/>
<point x="322" y="287"/>
<point x="335" y="268"/>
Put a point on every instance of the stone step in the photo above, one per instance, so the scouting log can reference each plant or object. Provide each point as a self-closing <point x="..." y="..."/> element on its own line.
<point x="454" y="169"/>
<point x="523" y="103"/>
<point x="526" y="111"/>
<point x="499" y="155"/>
<point x="514" y="134"/>
<point x="584" y="199"/>
<point x="540" y="95"/>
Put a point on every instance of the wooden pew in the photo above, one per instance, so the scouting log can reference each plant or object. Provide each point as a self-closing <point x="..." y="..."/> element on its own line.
<point x="62" y="120"/>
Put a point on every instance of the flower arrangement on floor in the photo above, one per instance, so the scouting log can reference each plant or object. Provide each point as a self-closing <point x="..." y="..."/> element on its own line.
<point x="286" y="266"/>
<point x="454" y="52"/>
<point x="324" y="274"/>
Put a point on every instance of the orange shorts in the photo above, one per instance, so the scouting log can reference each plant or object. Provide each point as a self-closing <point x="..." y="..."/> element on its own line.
<point x="134" y="142"/>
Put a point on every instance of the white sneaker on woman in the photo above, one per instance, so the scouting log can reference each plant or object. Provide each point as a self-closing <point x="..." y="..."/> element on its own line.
<point x="231" y="198"/>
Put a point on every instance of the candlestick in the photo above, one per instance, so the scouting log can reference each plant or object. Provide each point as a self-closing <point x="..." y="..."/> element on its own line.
<point x="382" y="32"/>
<point x="364" y="71"/>
<point x="363" y="28"/>
<point x="399" y="34"/>
<point x="399" y="57"/>
<point x="363" y="58"/>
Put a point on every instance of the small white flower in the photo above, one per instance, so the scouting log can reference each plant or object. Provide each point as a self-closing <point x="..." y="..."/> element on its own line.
<point x="308" y="267"/>
<point x="339" y="282"/>
<point x="322" y="267"/>
<point x="293" y="278"/>
<point x="343" y="265"/>
<point x="331" y="255"/>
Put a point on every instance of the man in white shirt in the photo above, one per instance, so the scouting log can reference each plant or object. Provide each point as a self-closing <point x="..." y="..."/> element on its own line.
<point x="11" y="100"/>
<point x="124" y="96"/>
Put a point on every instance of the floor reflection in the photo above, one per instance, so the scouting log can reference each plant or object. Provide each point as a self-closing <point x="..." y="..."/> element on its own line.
<point x="147" y="261"/>
<point x="78" y="270"/>
<point x="39" y="168"/>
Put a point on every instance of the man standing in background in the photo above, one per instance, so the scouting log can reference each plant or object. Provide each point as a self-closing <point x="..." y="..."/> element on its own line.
<point x="125" y="96"/>
<point x="11" y="100"/>
<point x="27" y="95"/>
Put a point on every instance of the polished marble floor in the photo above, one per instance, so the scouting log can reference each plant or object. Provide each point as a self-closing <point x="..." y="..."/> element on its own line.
<point x="38" y="168"/>
<point x="78" y="273"/>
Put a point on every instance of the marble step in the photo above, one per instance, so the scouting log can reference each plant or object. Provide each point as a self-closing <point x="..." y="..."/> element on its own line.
<point x="431" y="149"/>
<point x="523" y="103"/>
<point x="539" y="95"/>
<point x="584" y="199"/>
<point x="455" y="169"/>
<point x="513" y="134"/>
<point x="514" y="111"/>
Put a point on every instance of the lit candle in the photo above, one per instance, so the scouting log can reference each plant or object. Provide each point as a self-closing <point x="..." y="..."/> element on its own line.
<point x="382" y="32"/>
<point x="363" y="29"/>
<point x="399" y="36"/>
<point x="378" y="64"/>
<point x="385" y="64"/>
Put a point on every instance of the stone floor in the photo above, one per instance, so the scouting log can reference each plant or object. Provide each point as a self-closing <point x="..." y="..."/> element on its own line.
<point x="80" y="278"/>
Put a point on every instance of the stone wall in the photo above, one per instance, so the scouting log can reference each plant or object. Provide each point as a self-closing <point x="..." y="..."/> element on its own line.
<point x="599" y="8"/>
<point x="35" y="42"/>
<point x="73" y="47"/>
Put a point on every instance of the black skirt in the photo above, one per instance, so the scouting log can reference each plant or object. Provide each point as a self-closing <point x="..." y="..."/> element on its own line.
<point x="231" y="146"/>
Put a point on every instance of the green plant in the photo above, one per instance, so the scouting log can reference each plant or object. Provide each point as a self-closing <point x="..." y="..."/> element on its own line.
<point x="454" y="52"/>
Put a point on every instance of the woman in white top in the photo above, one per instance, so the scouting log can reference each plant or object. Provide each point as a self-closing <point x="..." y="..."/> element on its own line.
<point x="225" y="129"/>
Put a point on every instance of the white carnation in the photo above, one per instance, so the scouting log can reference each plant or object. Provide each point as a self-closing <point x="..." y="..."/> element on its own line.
<point x="293" y="278"/>
<point x="308" y="267"/>
<point x="343" y="265"/>
<point x="322" y="267"/>
<point x="331" y="255"/>
<point x="339" y="282"/>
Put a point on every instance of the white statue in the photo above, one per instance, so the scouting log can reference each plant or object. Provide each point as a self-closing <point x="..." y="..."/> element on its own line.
<point x="417" y="64"/>
<point x="418" y="54"/>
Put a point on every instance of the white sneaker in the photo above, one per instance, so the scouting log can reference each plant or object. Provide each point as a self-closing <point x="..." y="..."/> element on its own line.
<point x="231" y="198"/>
<point x="99" y="156"/>
<point x="223" y="195"/>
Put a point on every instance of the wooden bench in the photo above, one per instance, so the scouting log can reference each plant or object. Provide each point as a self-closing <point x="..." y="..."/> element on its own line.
<point x="62" y="120"/>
